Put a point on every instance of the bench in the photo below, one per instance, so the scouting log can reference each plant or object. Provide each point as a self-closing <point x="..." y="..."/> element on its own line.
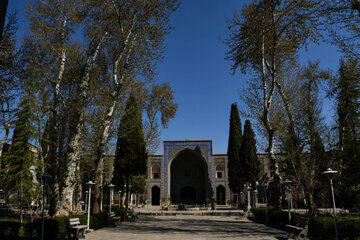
<point x="300" y="228"/>
<point x="113" y="220"/>
<point x="74" y="229"/>
<point x="132" y="215"/>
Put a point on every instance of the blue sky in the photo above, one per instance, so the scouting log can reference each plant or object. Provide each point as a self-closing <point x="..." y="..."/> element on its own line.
<point x="194" y="65"/>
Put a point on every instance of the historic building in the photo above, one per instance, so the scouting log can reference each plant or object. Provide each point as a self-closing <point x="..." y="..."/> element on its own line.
<point x="188" y="172"/>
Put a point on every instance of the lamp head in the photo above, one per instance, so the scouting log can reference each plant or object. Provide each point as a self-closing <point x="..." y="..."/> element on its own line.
<point x="287" y="181"/>
<point x="90" y="183"/>
<point x="111" y="186"/>
<point x="329" y="172"/>
<point x="247" y="186"/>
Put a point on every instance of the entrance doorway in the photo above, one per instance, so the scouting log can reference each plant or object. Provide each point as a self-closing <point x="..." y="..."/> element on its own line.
<point x="155" y="195"/>
<point x="220" y="195"/>
<point x="189" y="178"/>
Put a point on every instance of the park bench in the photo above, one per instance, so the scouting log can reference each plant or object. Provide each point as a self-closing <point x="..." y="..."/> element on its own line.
<point x="300" y="228"/>
<point x="132" y="215"/>
<point x="113" y="220"/>
<point x="74" y="229"/>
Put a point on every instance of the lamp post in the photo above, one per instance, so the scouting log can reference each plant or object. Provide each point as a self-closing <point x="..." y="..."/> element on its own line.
<point x="248" y="188"/>
<point x="120" y="199"/>
<point x="44" y="177"/>
<point x="266" y="202"/>
<point x="101" y="198"/>
<point x="90" y="184"/>
<point x="86" y="199"/>
<point x="111" y="186"/>
<point x="287" y="183"/>
<point x="330" y="173"/>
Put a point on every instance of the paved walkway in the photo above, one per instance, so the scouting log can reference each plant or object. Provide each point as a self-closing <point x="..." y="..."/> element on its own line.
<point x="184" y="227"/>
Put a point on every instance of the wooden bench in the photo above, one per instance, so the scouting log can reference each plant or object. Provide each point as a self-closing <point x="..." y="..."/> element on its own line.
<point x="299" y="230"/>
<point x="74" y="229"/>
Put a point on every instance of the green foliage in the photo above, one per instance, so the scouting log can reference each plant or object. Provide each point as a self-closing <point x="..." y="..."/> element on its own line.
<point x="348" y="97"/>
<point x="155" y="100"/>
<point x="138" y="184"/>
<point x="276" y="217"/>
<point x="130" y="159"/>
<point x="248" y="157"/>
<point x="55" y="228"/>
<point x="235" y="170"/>
<point x="9" y="228"/>
<point x="20" y="162"/>
<point x="319" y="227"/>
<point x="324" y="228"/>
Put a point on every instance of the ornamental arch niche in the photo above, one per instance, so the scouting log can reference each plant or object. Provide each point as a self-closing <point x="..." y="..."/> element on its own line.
<point x="155" y="171"/>
<point x="189" y="178"/>
<point x="220" y="195"/>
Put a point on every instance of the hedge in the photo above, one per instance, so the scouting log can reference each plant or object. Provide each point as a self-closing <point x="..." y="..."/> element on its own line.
<point x="323" y="228"/>
<point x="55" y="228"/>
<point x="320" y="227"/>
<point x="276" y="217"/>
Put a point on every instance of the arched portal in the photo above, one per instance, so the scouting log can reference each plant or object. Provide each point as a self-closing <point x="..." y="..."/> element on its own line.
<point x="155" y="195"/>
<point x="189" y="178"/>
<point x="220" y="195"/>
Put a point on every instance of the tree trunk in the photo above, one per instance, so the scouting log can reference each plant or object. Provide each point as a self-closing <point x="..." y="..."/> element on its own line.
<point x="2" y="143"/>
<point x="73" y="151"/>
<point x="99" y="163"/>
<point x="110" y="111"/>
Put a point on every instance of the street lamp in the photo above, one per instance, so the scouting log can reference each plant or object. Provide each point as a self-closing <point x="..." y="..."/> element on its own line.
<point x="86" y="199"/>
<point x="120" y="199"/>
<point x="111" y="186"/>
<point x="330" y="173"/>
<point x="248" y="188"/>
<point x="44" y="177"/>
<point x="287" y="183"/>
<point x="101" y="198"/>
<point x="90" y="184"/>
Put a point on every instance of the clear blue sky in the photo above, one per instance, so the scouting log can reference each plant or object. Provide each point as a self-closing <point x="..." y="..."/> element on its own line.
<point x="194" y="65"/>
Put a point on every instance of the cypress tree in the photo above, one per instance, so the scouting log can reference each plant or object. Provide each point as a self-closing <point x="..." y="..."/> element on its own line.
<point x="348" y="97"/>
<point x="20" y="162"/>
<point x="248" y="158"/>
<point x="130" y="159"/>
<point x="235" y="171"/>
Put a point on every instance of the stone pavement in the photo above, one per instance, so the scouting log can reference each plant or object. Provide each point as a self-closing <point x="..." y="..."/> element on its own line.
<point x="184" y="227"/>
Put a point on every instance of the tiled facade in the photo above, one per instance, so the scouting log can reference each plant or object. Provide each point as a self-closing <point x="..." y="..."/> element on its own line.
<point x="158" y="171"/>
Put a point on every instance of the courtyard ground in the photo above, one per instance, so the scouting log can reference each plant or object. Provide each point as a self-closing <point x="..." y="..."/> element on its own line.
<point x="184" y="227"/>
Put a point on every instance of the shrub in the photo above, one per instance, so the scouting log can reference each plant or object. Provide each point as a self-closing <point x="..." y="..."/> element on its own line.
<point x="98" y="220"/>
<point x="9" y="228"/>
<point x="276" y="217"/>
<point x="55" y="228"/>
<point x="323" y="228"/>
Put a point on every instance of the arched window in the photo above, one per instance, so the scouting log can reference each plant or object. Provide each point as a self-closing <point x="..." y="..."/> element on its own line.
<point x="155" y="171"/>
<point x="220" y="171"/>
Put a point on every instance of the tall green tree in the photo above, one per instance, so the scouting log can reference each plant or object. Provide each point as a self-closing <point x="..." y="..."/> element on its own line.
<point x="130" y="159"/>
<point x="235" y="168"/>
<point x="341" y="19"/>
<point x="9" y="83"/>
<point x="135" y="33"/>
<point x="348" y="97"/>
<point x="20" y="162"/>
<point x="248" y="157"/>
<point x="157" y="99"/>
<point x="264" y="38"/>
